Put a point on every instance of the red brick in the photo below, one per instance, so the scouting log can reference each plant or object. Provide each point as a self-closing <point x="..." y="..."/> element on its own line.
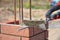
<point x="38" y="37"/>
<point x="25" y="32"/>
<point x="23" y="38"/>
<point x="9" y="37"/>
<point x="13" y="30"/>
<point x="0" y="37"/>
<point x="46" y="34"/>
<point x="37" y="30"/>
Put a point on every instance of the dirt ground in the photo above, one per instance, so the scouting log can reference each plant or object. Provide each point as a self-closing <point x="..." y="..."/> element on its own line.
<point x="54" y="34"/>
<point x="8" y="14"/>
<point x="54" y="30"/>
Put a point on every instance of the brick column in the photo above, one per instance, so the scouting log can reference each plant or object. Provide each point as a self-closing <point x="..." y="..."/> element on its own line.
<point x="11" y="33"/>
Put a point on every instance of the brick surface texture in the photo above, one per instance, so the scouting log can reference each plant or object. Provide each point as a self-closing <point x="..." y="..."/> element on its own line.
<point x="11" y="33"/>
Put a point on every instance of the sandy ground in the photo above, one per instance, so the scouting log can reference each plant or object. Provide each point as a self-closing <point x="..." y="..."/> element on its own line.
<point x="54" y="34"/>
<point x="54" y="30"/>
<point x="8" y="14"/>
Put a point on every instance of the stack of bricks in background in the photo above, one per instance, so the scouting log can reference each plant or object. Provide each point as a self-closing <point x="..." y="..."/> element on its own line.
<point x="11" y="33"/>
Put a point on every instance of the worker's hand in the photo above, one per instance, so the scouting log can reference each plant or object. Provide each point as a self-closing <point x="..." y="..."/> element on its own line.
<point x="48" y="16"/>
<point x="47" y="19"/>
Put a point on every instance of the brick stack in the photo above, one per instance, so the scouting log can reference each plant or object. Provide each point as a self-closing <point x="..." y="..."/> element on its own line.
<point x="11" y="33"/>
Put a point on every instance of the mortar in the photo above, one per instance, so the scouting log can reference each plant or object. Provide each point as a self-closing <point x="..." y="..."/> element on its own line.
<point x="35" y="23"/>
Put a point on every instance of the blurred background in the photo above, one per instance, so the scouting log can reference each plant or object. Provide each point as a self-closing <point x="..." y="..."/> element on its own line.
<point x="39" y="9"/>
<point x="36" y="4"/>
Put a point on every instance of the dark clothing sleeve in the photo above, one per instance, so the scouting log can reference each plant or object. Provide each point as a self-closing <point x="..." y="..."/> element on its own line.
<point x="54" y="8"/>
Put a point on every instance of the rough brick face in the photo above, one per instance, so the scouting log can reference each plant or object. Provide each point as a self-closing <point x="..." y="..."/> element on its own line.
<point x="46" y="34"/>
<point x="13" y="30"/>
<point x="37" y="30"/>
<point x="9" y="32"/>
<point x="0" y="37"/>
<point x="23" y="38"/>
<point x="38" y="37"/>
<point x="9" y="37"/>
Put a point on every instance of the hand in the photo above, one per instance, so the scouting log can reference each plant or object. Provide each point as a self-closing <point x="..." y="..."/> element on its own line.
<point x="47" y="19"/>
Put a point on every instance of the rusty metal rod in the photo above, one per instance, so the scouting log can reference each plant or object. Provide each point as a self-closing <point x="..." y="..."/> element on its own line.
<point x="19" y="13"/>
<point x="14" y="11"/>
<point x="30" y="11"/>
<point x="22" y="9"/>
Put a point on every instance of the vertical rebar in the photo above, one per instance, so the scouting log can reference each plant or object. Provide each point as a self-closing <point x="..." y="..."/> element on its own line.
<point x="14" y="11"/>
<point x="20" y="11"/>
<point x="30" y="11"/>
